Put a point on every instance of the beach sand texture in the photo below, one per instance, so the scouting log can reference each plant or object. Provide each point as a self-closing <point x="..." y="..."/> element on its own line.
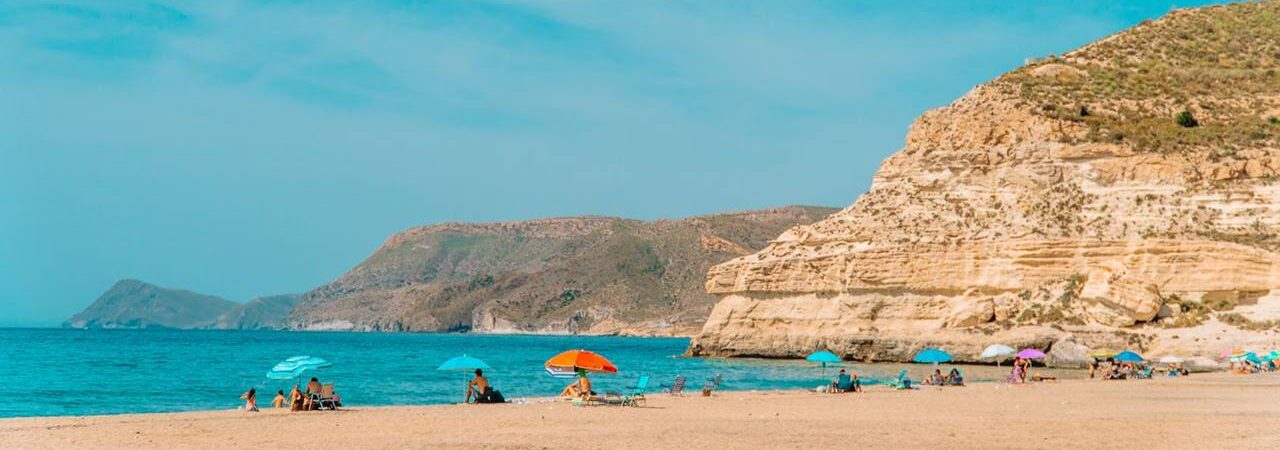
<point x="1216" y="411"/>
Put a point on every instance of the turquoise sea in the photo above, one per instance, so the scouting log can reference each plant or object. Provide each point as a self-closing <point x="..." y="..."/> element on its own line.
<point x="53" y="372"/>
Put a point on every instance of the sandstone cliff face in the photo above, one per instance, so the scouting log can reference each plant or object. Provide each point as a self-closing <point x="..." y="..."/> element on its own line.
<point x="591" y="275"/>
<point x="1064" y="205"/>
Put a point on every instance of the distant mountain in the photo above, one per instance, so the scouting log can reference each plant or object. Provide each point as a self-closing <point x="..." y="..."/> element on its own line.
<point x="136" y="304"/>
<point x="597" y="275"/>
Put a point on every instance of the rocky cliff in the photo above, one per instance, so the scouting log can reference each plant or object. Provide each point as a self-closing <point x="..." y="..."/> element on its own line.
<point x="1122" y="195"/>
<point x="596" y="275"/>
<point x="136" y="304"/>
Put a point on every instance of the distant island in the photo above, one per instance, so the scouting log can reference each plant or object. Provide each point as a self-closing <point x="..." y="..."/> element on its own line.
<point x="136" y="304"/>
<point x="573" y="275"/>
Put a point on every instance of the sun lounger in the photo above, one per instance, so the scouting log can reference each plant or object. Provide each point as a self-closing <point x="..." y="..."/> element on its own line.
<point x="712" y="384"/>
<point x="676" y="387"/>
<point x="902" y="382"/>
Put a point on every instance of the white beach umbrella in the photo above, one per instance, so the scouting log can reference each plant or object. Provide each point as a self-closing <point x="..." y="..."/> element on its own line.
<point x="997" y="351"/>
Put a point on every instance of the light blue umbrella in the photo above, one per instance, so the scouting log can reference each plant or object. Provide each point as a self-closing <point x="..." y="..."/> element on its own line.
<point x="823" y="357"/>
<point x="932" y="356"/>
<point x="1128" y="356"/>
<point x="463" y="362"/>
<point x="294" y="367"/>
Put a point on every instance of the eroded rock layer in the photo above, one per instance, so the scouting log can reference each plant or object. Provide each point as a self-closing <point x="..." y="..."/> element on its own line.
<point x="1122" y="195"/>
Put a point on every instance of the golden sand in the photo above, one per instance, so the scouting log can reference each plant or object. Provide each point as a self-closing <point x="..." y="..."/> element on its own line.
<point x="1216" y="411"/>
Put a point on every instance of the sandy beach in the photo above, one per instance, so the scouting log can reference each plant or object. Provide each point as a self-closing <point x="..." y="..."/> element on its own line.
<point x="1213" y="410"/>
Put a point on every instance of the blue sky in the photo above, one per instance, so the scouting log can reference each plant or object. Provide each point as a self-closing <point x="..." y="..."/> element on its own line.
<point x="244" y="148"/>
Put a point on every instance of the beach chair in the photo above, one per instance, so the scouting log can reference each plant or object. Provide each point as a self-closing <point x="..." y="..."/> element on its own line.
<point x="324" y="398"/>
<point x="712" y="384"/>
<point x="902" y="382"/>
<point x="636" y="396"/>
<point x="844" y="383"/>
<point x="676" y="387"/>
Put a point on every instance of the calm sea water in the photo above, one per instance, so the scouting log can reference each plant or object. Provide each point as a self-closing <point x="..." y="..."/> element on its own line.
<point x="48" y="372"/>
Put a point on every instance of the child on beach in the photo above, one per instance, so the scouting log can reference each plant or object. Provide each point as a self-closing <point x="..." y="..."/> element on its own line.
<point x="278" y="402"/>
<point x="250" y="400"/>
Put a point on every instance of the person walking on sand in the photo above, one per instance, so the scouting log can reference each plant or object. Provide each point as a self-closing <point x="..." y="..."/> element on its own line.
<point x="477" y="387"/>
<point x="250" y="400"/>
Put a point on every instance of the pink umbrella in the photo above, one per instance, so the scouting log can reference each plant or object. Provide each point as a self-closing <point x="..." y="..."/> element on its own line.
<point x="1030" y="353"/>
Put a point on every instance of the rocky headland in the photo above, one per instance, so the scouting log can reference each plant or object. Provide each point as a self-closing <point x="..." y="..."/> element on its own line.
<point x="1123" y="196"/>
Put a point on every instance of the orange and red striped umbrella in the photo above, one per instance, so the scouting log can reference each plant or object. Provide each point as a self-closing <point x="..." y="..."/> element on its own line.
<point x="575" y="360"/>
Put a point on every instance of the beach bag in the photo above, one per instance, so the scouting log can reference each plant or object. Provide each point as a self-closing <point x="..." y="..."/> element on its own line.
<point x="496" y="397"/>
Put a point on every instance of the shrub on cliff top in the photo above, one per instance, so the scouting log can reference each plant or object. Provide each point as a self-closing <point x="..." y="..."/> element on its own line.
<point x="1186" y="120"/>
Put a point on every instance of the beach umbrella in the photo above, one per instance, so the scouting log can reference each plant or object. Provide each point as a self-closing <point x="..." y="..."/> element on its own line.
<point x="1128" y="356"/>
<point x="1252" y="357"/>
<point x="1030" y="353"/>
<point x="561" y="373"/>
<point x="1103" y="354"/>
<point x="294" y="367"/>
<point x="932" y="355"/>
<point x="997" y="351"/>
<point x="1170" y="360"/>
<point x="1234" y="353"/>
<point x="823" y="357"/>
<point x="462" y="363"/>
<point x="581" y="360"/>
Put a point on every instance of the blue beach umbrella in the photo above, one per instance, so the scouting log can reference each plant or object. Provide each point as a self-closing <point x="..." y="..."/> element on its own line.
<point x="463" y="362"/>
<point x="1128" y="356"/>
<point x="932" y="356"/>
<point x="823" y="357"/>
<point x="294" y="367"/>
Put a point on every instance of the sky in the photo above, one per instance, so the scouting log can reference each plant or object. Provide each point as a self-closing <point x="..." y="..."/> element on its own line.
<point x="244" y="148"/>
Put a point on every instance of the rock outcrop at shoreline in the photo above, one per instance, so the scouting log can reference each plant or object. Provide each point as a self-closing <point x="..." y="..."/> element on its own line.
<point x="1123" y="195"/>
<point x="136" y="304"/>
<point x="576" y="275"/>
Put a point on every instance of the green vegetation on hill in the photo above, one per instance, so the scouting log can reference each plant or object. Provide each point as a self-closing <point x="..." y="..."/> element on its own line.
<point x="1193" y="80"/>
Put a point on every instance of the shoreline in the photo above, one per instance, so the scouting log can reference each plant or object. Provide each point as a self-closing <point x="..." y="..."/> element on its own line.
<point x="1219" y="409"/>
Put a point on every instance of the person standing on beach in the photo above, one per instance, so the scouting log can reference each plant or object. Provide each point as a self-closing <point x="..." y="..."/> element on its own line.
<point x="278" y="402"/>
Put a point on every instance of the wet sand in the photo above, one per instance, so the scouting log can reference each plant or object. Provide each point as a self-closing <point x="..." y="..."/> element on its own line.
<point x="1217" y="411"/>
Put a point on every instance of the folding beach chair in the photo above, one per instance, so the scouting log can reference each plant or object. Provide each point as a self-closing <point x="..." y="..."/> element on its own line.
<point x="676" y="387"/>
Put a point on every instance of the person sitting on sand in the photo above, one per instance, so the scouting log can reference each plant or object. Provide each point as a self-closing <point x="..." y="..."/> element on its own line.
<point x="955" y="378"/>
<point x="337" y="400"/>
<point x="477" y="387"/>
<point x="278" y="402"/>
<point x="250" y="400"/>
<point x="580" y="388"/>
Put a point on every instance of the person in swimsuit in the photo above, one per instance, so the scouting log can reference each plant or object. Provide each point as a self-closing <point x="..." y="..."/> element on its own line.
<point x="278" y="402"/>
<point x="250" y="400"/>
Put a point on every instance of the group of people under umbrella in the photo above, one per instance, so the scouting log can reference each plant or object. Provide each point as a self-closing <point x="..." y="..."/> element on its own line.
<point x="1122" y="365"/>
<point x="1243" y="362"/>
<point x="570" y="364"/>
